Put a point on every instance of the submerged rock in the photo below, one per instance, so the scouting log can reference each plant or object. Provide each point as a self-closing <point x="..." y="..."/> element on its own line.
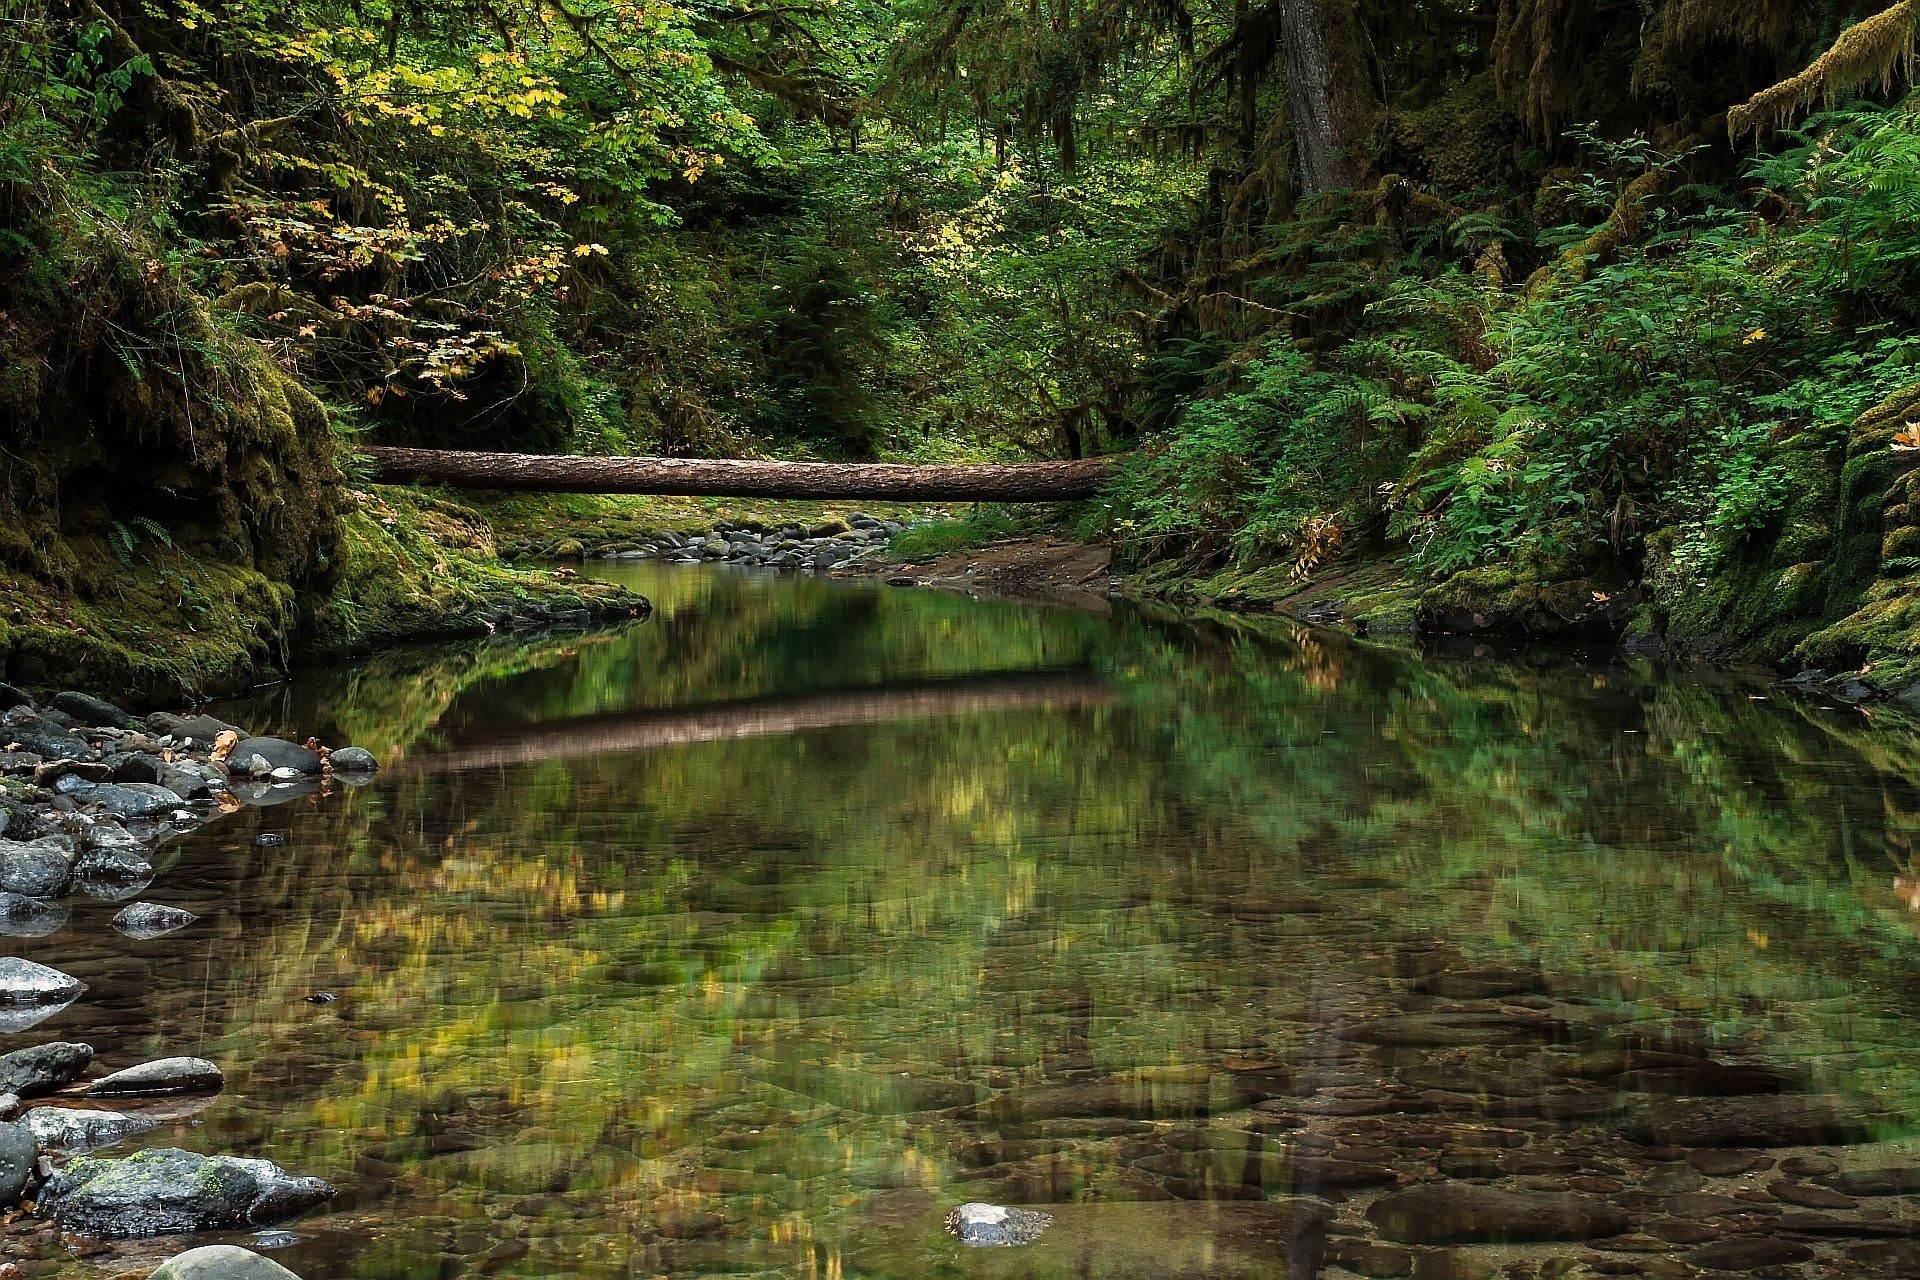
<point x="142" y="921"/>
<point x="983" y="1225"/>
<point x="78" y="1132"/>
<point x="221" y="1262"/>
<point x="43" y="1068"/>
<point x="1762" y="1120"/>
<point x="24" y="982"/>
<point x="168" y="1191"/>
<point x="24" y="917"/>
<point x="164" y="1076"/>
<point x="1460" y="1213"/>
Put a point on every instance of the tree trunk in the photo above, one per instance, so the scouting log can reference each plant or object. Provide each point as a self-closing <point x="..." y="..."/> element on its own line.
<point x="716" y="478"/>
<point x="1329" y="91"/>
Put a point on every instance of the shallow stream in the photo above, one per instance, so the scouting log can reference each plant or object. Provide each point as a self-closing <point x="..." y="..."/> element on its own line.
<point x="752" y="939"/>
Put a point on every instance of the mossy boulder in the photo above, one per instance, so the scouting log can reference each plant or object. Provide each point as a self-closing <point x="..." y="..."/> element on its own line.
<point x="1503" y="602"/>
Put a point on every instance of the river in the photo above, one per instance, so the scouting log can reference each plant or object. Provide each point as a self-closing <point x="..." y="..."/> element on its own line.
<point x="752" y="939"/>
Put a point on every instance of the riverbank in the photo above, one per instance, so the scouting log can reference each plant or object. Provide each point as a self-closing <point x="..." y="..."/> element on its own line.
<point x="91" y="801"/>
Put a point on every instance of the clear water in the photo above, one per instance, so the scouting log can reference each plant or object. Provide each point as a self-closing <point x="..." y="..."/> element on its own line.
<point x="750" y="940"/>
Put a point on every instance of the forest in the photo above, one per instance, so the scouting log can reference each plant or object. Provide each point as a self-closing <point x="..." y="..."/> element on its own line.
<point x="1540" y="317"/>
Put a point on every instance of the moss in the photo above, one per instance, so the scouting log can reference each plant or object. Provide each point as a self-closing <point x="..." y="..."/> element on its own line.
<point x="1461" y="142"/>
<point x="416" y="566"/>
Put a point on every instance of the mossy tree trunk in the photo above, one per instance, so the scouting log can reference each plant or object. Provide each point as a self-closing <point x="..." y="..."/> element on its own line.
<point x="1330" y="92"/>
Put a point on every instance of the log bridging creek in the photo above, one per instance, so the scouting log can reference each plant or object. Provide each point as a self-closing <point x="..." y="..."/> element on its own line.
<point x="725" y="478"/>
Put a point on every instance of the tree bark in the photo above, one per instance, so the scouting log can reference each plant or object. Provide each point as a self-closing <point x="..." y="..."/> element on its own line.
<point x="1329" y="91"/>
<point x="718" y="478"/>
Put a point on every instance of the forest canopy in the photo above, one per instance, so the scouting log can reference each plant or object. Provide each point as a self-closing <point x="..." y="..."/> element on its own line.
<point x="1583" y="290"/>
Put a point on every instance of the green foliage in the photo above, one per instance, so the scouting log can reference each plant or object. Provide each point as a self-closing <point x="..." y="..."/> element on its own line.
<point x="938" y="538"/>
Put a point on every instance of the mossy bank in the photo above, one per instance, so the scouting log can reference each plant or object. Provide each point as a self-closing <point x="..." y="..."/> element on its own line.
<point x="175" y="520"/>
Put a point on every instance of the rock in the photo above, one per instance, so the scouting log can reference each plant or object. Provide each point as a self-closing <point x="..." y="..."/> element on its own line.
<point x="78" y="1132"/>
<point x="49" y="741"/>
<point x="52" y="772"/>
<point x="1460" y="1213"/>
<point x="285" y="774"/>
<point x="353" y="760"/>
<point x="11" y="697"/>
<point x="1719" y="1163"/>
<point x="221" y="1262"/>
<point x="1808" y="1196"/>
<point x="1455" y="1028"/>
<point x="89" y="710"/>
<point x="1481" y="984"/>
<point x="43" y="1068"/>
<point x="107" y="835"/>
<point x="829" y="529"/>
<point x="24" y="917"/>
<point x="166" y="1075"/>
<point x="37" y="868"/>
<point x="1749" y="1253"/>
<point x="134" y="766"/>
<point x="134" y="799"/>
<point x="985" y="1225"/>
<point x="1365" y="1258"/>
<point x="19" y="1154"/>
<point x="24" y="982"/>
<point x="1455" y="1264"/>
<point x="1901" y="1180"/>
<point x="112" y="875"/>
<point x="144" y="921"/>
<point x="1764" y="1121"/>
<point x="278" y="753"/>
<point x="202" y="729"/>
<point x="168" y="1191"/>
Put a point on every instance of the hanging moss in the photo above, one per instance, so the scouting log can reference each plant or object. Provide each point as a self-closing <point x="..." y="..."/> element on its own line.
<point x="1881" y="49"/>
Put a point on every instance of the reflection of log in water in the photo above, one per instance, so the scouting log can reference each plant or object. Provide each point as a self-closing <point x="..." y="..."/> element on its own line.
<point x="771" y="716"/>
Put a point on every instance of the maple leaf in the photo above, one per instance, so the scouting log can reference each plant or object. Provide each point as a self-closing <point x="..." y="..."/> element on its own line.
<point x="1908" y="439"/>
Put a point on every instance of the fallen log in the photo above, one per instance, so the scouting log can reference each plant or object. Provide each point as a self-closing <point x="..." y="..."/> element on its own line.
<point x="727" y="478"/>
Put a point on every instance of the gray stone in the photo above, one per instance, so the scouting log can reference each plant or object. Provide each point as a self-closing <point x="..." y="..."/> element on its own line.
<point x="36" y="868"/>
<point x="89" y="710"/>
<point x="107" y="835"/>
<point x="19" y="1153"/>
<point x="49" y="741"/>
<point x="987" y="1225"/>
<point x="43" y="1068"/>
<point x="79" y="1132"/>
<point x="278" y="753"/>
<point x="202" y="729"/>
<point x="353" y="760"/>
<point x="25" y="982"/>
<point x="135" y="766"/>
<point x="11" y="697"/>
<point x="1481" y="984"/>
<point x="1461" y="1213"/>
<point x="24" y="917"/>
<point x="111" y="875"/>
<point x="221" y="1262"/>
<point x="168" y="1191"/>
<point x="163" y="1076"/>
<point x="134" y="799"/>
<point x="143" y="921"/>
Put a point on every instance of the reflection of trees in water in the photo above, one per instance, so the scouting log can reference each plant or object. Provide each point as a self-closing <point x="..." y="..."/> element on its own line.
<point x="599" y="962"/>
